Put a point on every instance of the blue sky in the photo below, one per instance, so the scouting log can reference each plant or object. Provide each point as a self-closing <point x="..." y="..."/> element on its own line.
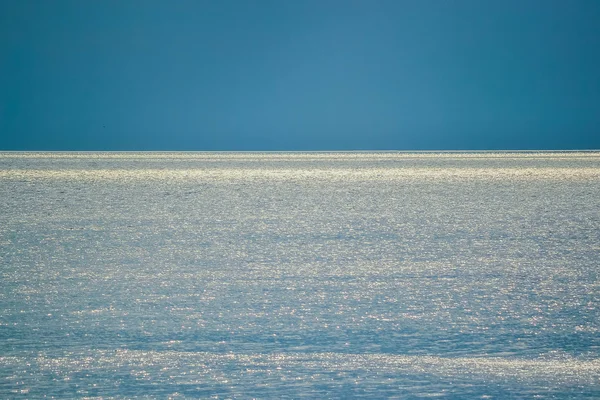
<point x="299" y="75"/>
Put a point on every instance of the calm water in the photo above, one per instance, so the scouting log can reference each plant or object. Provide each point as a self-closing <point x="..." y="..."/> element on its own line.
<point x="300" y="275"/>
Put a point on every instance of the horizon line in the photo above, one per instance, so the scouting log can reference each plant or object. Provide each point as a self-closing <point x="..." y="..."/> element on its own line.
<point x="315" y="151"/>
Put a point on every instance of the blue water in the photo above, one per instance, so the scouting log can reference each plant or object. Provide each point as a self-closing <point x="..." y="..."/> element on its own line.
<point x="300" y="275"/>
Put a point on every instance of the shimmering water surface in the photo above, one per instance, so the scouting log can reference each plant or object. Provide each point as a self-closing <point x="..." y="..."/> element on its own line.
<point x="300" y="275"/>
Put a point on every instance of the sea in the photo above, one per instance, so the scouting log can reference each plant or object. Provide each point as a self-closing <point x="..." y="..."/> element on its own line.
<point x="317" y="275"/>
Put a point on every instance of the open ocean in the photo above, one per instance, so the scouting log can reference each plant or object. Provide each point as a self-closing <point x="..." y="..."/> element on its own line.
<point x="300" y="275"/>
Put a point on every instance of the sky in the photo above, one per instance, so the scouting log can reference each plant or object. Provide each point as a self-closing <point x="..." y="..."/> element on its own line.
<point x="299" y="75"/>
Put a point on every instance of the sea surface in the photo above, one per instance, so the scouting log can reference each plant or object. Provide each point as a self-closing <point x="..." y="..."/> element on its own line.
<point x="300" y="275"/>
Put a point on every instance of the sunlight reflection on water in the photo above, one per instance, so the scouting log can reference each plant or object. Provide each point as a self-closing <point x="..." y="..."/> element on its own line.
<point x="312" y="275"/>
